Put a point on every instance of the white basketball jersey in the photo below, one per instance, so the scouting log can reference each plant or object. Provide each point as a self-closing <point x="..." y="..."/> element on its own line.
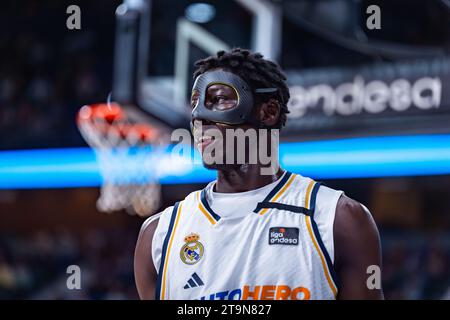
<point x="282" y="249"/>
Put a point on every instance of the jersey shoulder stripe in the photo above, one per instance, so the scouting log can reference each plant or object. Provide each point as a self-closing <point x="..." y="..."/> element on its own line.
<point x="310" y="203"/>
<point x="161" y="280"/>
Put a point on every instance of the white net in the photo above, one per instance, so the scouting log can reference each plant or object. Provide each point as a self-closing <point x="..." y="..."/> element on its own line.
<point x="127" y="154"/>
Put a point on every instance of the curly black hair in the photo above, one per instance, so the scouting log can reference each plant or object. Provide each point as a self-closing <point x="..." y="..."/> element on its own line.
<point x="256" y="71"/>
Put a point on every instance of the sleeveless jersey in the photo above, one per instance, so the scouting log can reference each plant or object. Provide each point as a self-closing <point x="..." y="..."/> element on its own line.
<point x="281" y="250"/>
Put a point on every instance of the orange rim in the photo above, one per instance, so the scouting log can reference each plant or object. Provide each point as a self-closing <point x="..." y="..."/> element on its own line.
<point x="107" y="117"/>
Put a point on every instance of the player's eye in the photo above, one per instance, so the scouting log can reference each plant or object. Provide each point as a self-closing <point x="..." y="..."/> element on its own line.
<point x="220" y="99"/>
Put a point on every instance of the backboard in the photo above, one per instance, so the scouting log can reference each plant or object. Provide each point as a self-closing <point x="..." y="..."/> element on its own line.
<point x="152" y="71"/>
<point x="327" y="59"/>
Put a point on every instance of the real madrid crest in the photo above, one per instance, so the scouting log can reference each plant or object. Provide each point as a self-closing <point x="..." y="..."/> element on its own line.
<point x="192" y="251"/>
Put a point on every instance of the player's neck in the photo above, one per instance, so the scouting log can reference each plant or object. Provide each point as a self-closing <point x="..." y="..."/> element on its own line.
<point x="243" y="179"/>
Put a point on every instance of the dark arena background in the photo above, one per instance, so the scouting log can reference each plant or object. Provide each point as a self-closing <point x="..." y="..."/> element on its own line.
<point x="369" y="114"/>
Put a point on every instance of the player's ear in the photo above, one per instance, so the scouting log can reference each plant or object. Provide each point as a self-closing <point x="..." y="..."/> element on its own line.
<point x="269" y="113"/>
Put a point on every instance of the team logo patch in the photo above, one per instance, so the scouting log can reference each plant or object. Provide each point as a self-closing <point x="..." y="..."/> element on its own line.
<point x="283" y="235"/>
<point x="192" y="251"/>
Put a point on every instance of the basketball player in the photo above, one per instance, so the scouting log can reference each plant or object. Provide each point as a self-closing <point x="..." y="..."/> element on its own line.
<point x="249" y="235"/>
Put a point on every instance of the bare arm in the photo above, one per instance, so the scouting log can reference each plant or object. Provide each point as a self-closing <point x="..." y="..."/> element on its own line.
<point x="144" y="270"/>
<point x="357" y="246"/>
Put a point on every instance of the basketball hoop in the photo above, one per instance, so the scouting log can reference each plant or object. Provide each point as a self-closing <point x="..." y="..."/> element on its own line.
<point x="127" y="154"/>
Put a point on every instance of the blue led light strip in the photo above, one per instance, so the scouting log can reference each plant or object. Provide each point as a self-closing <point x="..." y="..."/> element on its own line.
<point x="345" y="158"/>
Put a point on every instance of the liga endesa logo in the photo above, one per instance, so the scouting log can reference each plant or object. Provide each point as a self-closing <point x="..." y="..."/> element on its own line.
<point x="264" y="292"/>
<point x="283" y="236"/>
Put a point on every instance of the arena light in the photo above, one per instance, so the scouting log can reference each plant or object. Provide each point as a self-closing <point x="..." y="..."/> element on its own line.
<point x="49" y="168"/>
<point x="345" y="158"/>
<point x="200" y="12"/>
<point x="369" y="157"/>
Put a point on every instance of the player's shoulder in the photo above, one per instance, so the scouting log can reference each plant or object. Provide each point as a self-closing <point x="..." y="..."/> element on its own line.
<point x="150" y="224"/>
<point x="154" y="219"/>
<point x="344" y="207"/>
<point x="352" y="213"/>
<point x="329" y="197"/>
<point x="355" y="230"/>
<point x="353" y="218"/>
